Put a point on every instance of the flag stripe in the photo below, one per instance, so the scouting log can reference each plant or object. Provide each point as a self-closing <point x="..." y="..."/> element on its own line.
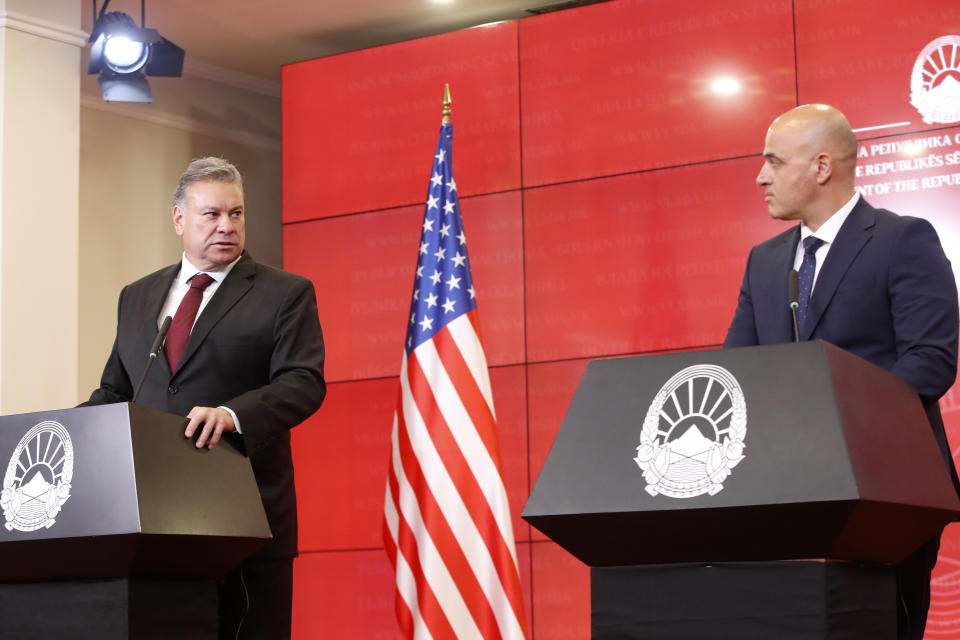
<point x="461" y="544"/>
<point x="478" y="446"/>
<point x="441" y="609"/>
<point x="458" y="366"/>
<point x="467" y="338"/>
<point x="413" y="592"/>
<point x="455" y="402"/>
<point x="406" y="587"/>
<point x="478" y="532"/>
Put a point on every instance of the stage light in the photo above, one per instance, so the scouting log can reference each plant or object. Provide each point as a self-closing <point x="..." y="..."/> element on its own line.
<point x="124" y="54"/>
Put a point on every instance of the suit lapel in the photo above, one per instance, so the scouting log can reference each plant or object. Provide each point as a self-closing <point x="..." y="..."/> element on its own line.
<point x="156" y="297"/>
<point x="856" y="232"/>
<point x="782" y="267"/>
<point x="233" y="287"/>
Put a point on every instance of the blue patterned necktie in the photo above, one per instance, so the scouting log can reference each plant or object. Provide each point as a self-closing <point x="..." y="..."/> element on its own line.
<point x="805" y="275"/>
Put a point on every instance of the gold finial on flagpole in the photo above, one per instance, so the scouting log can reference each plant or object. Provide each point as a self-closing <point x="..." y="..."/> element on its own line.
<point x="446" y="103"/>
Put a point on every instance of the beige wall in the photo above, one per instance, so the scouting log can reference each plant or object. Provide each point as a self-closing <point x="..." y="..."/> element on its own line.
<point x="130" y="158"/>
<point x="39" y="131"/>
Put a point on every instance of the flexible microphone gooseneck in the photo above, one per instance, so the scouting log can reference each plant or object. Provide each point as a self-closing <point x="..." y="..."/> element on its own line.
<point x="154" y="352"/>
<point x="795" y="303"/>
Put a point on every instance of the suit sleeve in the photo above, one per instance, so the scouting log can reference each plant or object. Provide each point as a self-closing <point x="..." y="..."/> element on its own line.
<point x="115" y="385"/>
<point x="743" y="329"/>
<point x="296" y="387"/>
<point x="923" y="305"/>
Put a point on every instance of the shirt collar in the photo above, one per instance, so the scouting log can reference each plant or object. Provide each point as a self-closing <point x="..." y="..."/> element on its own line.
<point x="828" y="230"/>
<point x="187" y="270"/>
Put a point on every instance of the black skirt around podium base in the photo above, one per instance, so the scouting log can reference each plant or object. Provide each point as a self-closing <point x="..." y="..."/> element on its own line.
<point x="806" y="600"/>
<point x="114" y="609"/>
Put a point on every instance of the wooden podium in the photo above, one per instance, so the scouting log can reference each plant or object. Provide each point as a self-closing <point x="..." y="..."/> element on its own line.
<point x="116" y="526"/>
<point x="689" y="481"/>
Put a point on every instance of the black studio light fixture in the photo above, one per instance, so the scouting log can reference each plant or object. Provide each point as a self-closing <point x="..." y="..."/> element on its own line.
<point x="124" y="54"/>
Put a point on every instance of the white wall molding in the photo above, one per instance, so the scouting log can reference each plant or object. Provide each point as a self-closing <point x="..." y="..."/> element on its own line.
<point x="165" y="119"/>
<point x="230" y="77"/>
<point x="43" y="29"/>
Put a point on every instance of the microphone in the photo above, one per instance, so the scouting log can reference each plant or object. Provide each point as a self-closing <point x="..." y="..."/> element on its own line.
<point x="794" y="286"/>
<point x="154" y="352"/>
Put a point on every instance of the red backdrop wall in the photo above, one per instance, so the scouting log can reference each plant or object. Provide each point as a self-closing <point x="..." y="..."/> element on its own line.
<point x="609" y="200"/>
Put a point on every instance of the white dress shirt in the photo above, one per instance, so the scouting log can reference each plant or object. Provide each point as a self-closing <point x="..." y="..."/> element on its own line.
<point x="181" y="284"/>
<point x="179" y="288"/>
<point x="828" y="233"/>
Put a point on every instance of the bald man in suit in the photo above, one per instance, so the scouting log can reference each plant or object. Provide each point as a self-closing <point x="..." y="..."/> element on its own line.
<point x="247" y="365"/>
<point x="879" y="285"/>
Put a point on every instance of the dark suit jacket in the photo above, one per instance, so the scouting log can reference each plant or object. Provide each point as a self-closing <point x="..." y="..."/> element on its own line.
<point x="885" y="292"/>
<point x="256" y="348"/>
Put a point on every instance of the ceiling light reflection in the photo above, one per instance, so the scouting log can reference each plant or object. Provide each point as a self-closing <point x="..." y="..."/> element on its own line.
<point x="725" y="86"/>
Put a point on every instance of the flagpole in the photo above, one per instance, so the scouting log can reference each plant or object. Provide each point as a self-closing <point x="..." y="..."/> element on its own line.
<point x="447" y="102"/>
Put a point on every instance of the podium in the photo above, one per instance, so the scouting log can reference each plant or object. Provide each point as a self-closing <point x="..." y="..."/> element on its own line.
<point x="116" y="526"/>
<point x="685" y="479"/>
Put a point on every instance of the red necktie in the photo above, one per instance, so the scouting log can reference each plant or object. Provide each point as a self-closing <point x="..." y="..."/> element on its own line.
<point x="183" y="320"/>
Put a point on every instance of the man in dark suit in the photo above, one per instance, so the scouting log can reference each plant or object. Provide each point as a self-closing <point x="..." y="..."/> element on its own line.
<point x="244" y="360"/>
<point x="885" y="292"/>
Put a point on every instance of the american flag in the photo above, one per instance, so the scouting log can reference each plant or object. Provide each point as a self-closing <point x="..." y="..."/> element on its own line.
<point x="447" y="527"/>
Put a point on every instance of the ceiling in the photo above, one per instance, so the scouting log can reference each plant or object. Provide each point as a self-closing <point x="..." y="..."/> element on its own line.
<point x="257" y="38"/>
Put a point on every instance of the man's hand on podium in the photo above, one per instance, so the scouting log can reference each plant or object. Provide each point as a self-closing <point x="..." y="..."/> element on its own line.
<point x="214" y="422"/>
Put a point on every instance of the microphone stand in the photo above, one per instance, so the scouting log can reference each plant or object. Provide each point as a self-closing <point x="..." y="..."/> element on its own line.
<point x="795" y="303"/>
<point x="154" y="352"/>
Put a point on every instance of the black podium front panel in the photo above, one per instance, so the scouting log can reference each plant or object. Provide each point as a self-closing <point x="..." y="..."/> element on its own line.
<point x="67" y="474"/>
<point x="116" y="491"/>
<point x="741" y="454"/>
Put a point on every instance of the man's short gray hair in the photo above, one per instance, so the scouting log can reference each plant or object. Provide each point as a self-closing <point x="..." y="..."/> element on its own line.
<point x="203" y="170"/>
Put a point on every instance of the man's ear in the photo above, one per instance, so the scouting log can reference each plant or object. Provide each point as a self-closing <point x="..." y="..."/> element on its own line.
<point x="824" y="166"/>
<point x="178" y="220"/>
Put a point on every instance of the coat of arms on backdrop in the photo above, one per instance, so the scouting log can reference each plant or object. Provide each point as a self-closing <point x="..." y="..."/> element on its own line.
<point x="935" y="81"/>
